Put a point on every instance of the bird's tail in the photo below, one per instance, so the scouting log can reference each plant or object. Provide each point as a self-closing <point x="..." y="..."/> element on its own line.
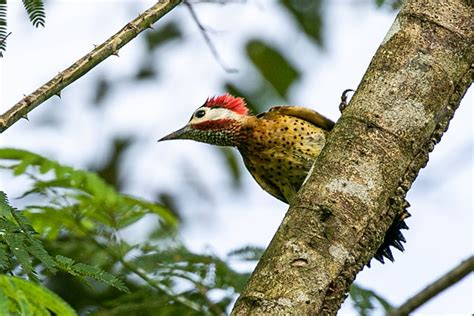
<point x="393" y="237"/>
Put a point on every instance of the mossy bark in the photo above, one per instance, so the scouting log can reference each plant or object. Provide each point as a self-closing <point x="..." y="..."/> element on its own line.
<point x="403" y="105"/>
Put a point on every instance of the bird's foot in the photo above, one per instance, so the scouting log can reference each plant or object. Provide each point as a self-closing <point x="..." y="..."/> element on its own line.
<point x="344" y="103"/>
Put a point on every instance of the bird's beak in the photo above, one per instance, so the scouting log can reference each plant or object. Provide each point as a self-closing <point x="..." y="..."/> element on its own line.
<point x="182" y="133"/>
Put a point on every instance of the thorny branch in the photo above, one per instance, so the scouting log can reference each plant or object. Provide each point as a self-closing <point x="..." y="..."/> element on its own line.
<point x="86" y="63"/>
<point x="96" y="56"/>
<point x="447" y="280"/>
<point x="208" y="40"/>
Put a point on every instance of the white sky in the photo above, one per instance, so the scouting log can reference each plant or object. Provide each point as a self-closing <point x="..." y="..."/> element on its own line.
<point x="441" y="228"/>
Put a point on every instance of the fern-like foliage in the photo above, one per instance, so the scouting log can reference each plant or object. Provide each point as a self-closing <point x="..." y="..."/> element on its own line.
<point x="19" y="245"/>
<point x="3" y="26"/>
<point x="35" y="10"/>
<point x="78" y="200"/>
<point x="21" y="297"/>
<point x="71" y="237"/>
<point x="85" y="270"/>
<point x="36" y="14"/>
<point x="80" y="219"/>
<point x="364" y="301"/>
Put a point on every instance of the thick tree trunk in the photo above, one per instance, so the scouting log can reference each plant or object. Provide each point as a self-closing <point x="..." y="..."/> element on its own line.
<point x="358" y="184"/>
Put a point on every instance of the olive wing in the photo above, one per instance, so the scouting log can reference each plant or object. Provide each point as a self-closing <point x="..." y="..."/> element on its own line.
<point x="300" y="112"/>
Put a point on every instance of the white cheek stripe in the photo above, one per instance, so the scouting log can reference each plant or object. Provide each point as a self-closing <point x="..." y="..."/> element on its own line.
<point x="215" y="114"/>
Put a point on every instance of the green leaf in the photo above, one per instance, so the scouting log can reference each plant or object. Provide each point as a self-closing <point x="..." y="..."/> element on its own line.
<point x="233" y="165"/>
<point x="392" y="4"/>
<point x="4" y="310"/>
<point x="31" y="298"/>
<point x="308" y="16"/>
<point x="20" y="298"/>
<point x="102" y="89"/>
<point x="100" y="275"/>
<point x="99" y="202"/>
<point x="5" y="208"/>
<point x="273" y="66"/>
<point x="205" y="270"/>
<point x="4" y="258"/>
<point x="35" y="10"/>
<point x="249" y="253"/>
<point x="151" y="208"/>
<point x="45" y="166"/>
<point x="363" y="300"/>
<point x="18" y="234"/>
<point x="21" y="167"/>
<point x="3" y="26"/>
<point x="165" y="33"/>
<point x="81" y="269"/>
<point x="50" y="221"/>
<point x="145" y="302"/>
<point x="15" y="242"/>
<point x="379" y="3"/>
<point x="65" y="262"/>
<point x="81" y="217"/>
<point x="22" y="222"/>
<point x="36" y="249"/>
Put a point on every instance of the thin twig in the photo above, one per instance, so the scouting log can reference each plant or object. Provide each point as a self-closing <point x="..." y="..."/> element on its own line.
<point x="208" y="40"/>
<point x="86" y="63"/>
<point x="447" y="280"/>
<point x="143" y="275"/>
<point x="179" y="298"/>
<point x="4" y="38"/>
<point x="2" y="41"/>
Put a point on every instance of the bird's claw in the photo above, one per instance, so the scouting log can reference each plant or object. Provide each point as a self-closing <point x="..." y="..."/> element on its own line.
<point x="343" y="103"/>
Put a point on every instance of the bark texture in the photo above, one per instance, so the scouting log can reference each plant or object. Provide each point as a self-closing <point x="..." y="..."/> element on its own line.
<point x="358" y="184"/>
<point x="86" y="63"/>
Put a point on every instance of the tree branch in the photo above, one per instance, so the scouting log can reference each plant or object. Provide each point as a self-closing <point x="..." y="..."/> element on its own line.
<point x="208" y="40"/>
<point x="450" y="278"/>
<point x="86" y="63"/>
<point x="402" y="107"/>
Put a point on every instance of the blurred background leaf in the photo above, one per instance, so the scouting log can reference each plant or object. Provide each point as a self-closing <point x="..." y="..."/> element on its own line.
<point x="308" y="15"/>
<point x="273" y="66"/>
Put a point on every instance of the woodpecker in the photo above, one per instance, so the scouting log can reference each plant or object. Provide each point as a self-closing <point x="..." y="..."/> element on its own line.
<point x="278" y="147"/>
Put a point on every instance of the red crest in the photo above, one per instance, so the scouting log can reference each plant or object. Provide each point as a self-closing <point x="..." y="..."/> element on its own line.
<point x="228" y="101"/>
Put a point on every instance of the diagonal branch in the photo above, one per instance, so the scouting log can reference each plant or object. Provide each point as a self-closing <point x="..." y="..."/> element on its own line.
<point x="447" y="280"/>
<point x="86" y="63"/>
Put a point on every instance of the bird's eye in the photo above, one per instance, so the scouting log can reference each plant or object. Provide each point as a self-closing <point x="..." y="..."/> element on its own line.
<point x="200" y="113"/>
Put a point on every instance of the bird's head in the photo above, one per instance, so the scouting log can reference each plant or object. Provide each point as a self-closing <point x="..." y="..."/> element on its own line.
<point x="218" y="122"/>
